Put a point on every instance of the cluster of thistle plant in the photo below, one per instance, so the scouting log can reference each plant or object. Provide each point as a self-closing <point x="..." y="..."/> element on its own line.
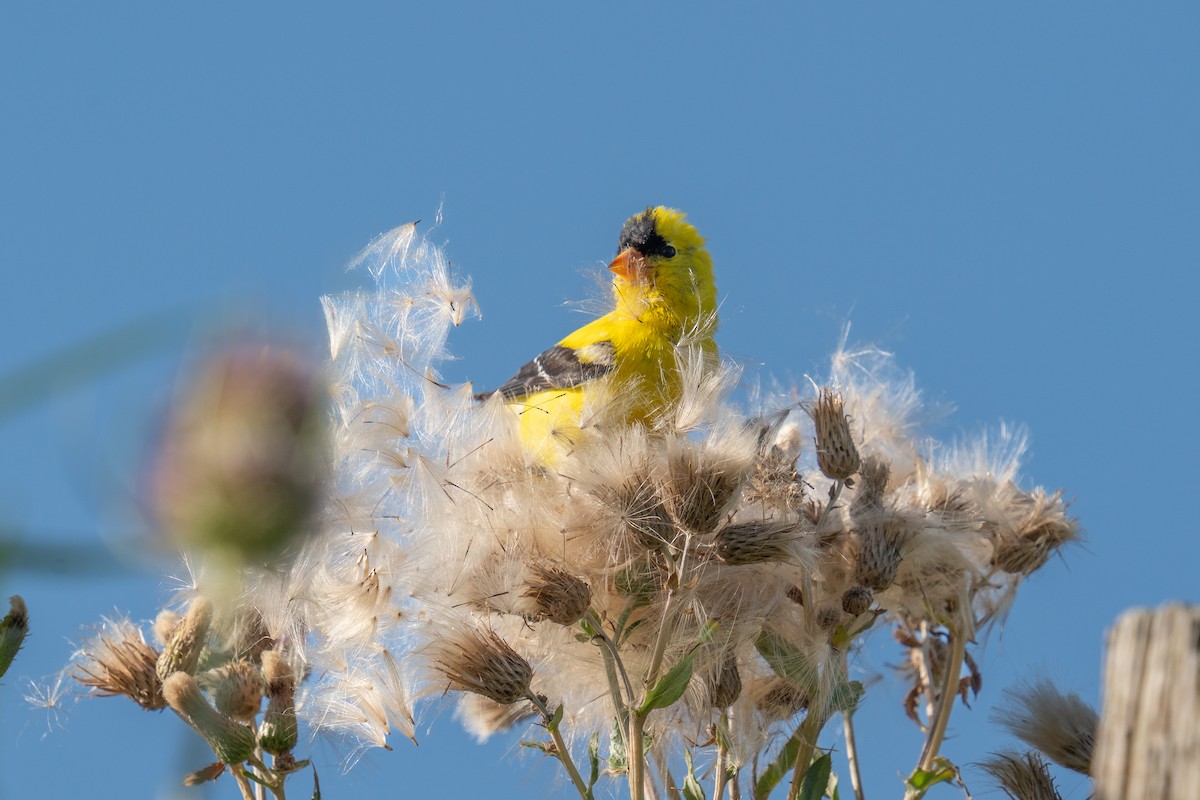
<point x="663" y="605"/>
<point x="221" y="673"/>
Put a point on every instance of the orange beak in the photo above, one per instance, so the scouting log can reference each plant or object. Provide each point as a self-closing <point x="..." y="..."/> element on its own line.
<point x="630" y="265"/>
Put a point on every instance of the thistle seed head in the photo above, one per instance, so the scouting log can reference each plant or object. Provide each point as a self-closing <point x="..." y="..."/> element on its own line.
<point x="837" y="456"/>
<point x="477" y="660"/>
<point x="699" y="486"/>
<point x="1062" y="726"/>
<point x="755" y="542"/>
<point x="118" y="661"/>
<point x="557" y="595"/>
<point x="1021" y="776"/>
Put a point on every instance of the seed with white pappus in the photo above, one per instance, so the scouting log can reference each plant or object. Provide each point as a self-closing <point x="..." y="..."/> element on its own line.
<point x="837" y="456"/>
<point x="477" y="660"/>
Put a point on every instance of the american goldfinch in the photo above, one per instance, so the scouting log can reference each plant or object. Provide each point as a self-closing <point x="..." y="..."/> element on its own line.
<point x="663" y="294"/>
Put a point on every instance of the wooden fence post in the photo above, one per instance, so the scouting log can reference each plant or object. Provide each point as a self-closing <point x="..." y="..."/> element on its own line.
<point x="1148" y="744"/>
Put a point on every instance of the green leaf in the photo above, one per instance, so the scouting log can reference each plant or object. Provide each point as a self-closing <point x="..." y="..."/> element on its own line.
<point x="618" y="758"/>
<point x="921" y="780"/>
<point x="555" y="718"/>
<point x="670" y="687"/>
<point x="13" y="629"/>
<point x="691" y="787"/>
<point x="816" y="778"/>
<point x="316" y="795"/>
<point x="594" y="760"/>
<point x="846" y="696"/>
<point x="545" y="747"/>
<point x="775" y="771"/>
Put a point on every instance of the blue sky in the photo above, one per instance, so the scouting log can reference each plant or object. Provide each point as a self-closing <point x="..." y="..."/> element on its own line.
<point x="1004" y="195"/>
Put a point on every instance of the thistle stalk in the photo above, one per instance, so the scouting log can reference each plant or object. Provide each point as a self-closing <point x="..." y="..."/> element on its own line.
<point x="945" y="701"/>
<point x="560" y="746"/>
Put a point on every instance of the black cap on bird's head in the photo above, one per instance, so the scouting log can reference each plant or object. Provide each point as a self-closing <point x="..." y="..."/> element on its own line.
<point x="641" y="233"/>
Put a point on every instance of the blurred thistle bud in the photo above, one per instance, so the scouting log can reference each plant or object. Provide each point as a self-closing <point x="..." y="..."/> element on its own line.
<point x="164" y="625"/>
<point x="13" y="629"/>
<point x="557" y="595"/>
<point x="477" y="660"/>
<point x="231" y="742"/>
<point x="837" y="455"/>
<point x="279" y="730"/>
<point x="239" y="467"/>
<point x="1062" y="726"/>
<point x="236" y="689"/>
<point x="118" y="661"/>
<point x="182" y="651"/>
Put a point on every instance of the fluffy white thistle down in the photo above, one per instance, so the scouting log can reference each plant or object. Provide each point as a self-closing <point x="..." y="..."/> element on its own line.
<point x="702" y="580"/>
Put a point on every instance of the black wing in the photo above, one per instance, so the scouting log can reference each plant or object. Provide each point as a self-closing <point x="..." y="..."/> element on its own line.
<point x="558" y="368"/>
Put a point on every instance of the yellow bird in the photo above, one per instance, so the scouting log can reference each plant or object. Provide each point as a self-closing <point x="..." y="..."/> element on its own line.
<point x="664" y="293"/>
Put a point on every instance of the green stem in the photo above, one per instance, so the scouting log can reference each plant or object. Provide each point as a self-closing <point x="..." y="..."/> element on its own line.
<point x="720" y="778"/>
<point x="561" y="750"/>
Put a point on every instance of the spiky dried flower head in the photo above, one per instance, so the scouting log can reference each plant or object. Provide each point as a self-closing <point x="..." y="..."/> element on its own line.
<point x="857" y="600"/>
<point x="837" y="455"/>
<point x="477" y="660"/>
<point x="118" y="661"/>
<point x="1062" y="726"/>
<point x="1040" y="527"/>
<point x="236" y="689"/>
<point x="757" y="542"/>
<point x="183" y="649"/>
<point x="231" y="742"/>
<point x="702" y="482"/>
<point x="874" y="474"/>
<point x="881" y="541"/>
<point x="1022" y="776"/>
<point x="556" y="595"/>
<point x="775" y="481"/>
<point x="622" y="479"/>
<point x="240" y="464"/>
<point x="13" y="628"/>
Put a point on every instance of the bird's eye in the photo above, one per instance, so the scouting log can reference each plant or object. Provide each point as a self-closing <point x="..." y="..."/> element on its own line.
<point x="668" y="252"/>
